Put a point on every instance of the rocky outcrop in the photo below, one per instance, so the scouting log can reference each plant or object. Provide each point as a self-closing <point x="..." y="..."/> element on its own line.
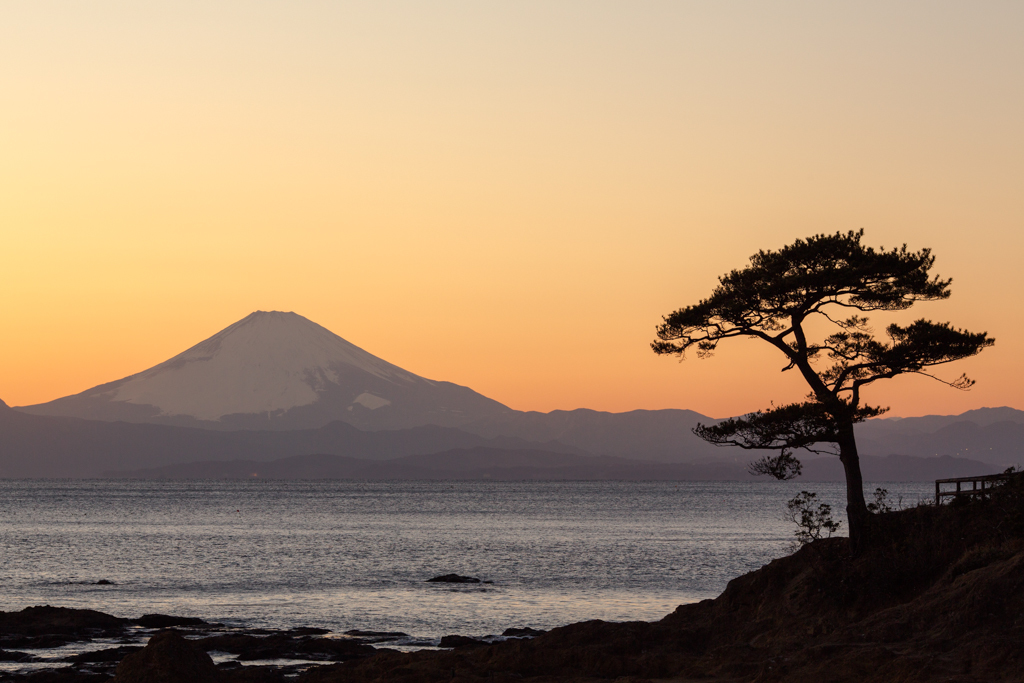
<point x="453" y="578"/>
<point x="112" y="654"/>
<point x="283" y="646"/>
<point x="523" y="632"/>
<point x="461" y="641"/>
<point x="45" y="626"/>
<point x="51" y="627"/>
<point x="167" y="658"/>
<point x="15" y="656"/>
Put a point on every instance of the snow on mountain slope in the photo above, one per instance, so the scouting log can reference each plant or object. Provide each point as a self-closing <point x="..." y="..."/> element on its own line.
<point x="276" y="370"/>
<point x="266" y="362"/>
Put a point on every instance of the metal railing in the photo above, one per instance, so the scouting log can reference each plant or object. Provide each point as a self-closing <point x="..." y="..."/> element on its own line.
<point x="980" y="486"/>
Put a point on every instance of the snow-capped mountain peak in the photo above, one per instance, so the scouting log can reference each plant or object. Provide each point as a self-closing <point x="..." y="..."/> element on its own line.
<point x="266" y="362"/>
<point x="281" y="370"/>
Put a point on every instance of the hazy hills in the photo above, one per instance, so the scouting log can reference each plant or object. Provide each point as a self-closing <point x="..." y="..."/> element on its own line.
<point x="276" y="385"/>
<point x="657" y="435"/>
<point x="41" y="446"/>
<point x="523" y="465"/>
<point x="994" y="435"/>
<point x="990" y="435"/>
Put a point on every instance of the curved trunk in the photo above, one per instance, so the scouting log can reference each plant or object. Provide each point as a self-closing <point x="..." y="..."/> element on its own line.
<point x="857" y="514"/>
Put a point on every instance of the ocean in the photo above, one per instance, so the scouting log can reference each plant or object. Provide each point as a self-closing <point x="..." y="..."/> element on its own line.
<point x="356" y="555"/>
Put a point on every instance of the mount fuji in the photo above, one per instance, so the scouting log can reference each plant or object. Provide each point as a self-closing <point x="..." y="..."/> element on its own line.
<point x="276" y="370"/>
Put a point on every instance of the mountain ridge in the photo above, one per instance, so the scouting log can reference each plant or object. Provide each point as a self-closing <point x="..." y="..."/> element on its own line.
<point x="44" y="446"/>
<point x="34" y="446"/>
<point x="659" y="435"/>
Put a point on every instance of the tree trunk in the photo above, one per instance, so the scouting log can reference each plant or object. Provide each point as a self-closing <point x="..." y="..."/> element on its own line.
<point x="857" y="514"/>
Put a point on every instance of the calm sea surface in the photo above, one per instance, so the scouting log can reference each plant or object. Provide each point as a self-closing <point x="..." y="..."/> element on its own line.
<point x="355" y="555"/>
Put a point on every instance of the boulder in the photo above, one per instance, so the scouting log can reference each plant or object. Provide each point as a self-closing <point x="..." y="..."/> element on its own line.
<point x="283" y="646"/>
<point x="461" y="641"/>
<point x="113" y="654"/>
<point x="524" y="632"/>
<point x="15" y="656"/>
<point x="46" y="627"/>
<point x="453" y="578"/>
<point x="308" y="631"/>
<point x="67" y="674"/>
<point x="62" y="620"/>
<point x="375" y="636"/>
<point x="167" y="658"/>
<point x="253" y="674"/>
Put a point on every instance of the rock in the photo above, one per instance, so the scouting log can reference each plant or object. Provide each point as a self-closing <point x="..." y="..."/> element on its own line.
<point x="376" y="636"/>
<point x="282" y="646"/>
<point x="45" y="627"/>
<point x="525" y="632"/>
<point x="453" y="578"/>
<point x="167" y="621"/>
<point x="308" y="631"/>
<point x="105" y="582"/>
<point x="461" y="641"/>
<point x="46" y="619"/>
<point x="113" y="654"/>
<point x="167" y="658"/>
<point x="330" y="649"/>
<point x="65" y="675"/>
<point x="44" y="642"/>
<point x="254" y="674"/>
<point x="14" y="656"/>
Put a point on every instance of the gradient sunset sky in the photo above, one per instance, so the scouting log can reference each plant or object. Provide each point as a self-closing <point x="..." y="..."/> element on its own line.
<point x="504" y="195"/>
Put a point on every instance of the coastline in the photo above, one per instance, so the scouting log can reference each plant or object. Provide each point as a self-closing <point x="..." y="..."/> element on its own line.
<point x="938" y="596"/>
<point x="356" y="556"/>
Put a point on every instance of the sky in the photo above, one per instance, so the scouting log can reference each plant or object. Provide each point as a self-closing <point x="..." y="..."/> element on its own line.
<point x="505" y="195"/>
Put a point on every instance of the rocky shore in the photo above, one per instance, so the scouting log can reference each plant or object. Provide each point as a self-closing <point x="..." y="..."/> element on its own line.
<point x="107" y="646"/>
<point x="939" y="596"/>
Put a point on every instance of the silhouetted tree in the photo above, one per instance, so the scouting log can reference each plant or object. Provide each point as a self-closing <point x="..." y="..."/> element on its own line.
<point x="775" y="299"/>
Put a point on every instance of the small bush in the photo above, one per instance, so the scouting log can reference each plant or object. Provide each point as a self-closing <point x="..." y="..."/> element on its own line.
<point x="813" y="521"/>
<point x="881" y="503"/>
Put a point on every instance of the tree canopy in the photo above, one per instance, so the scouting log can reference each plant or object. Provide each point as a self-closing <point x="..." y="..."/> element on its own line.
<point x="778" y="298"/>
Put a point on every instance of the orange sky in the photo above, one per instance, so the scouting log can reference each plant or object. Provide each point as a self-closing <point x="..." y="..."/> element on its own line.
<point x="503" y="195"/>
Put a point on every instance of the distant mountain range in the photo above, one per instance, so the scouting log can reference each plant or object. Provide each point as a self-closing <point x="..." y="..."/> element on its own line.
<point x="275" y="386"/>
<point x="994" y="435"/>
<point x="42" y="446"/>
<point x="523" y="465"/>
<point x="656" y="435"/>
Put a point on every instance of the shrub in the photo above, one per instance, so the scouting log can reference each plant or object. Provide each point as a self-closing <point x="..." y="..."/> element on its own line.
<point x="812" y="521"/>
